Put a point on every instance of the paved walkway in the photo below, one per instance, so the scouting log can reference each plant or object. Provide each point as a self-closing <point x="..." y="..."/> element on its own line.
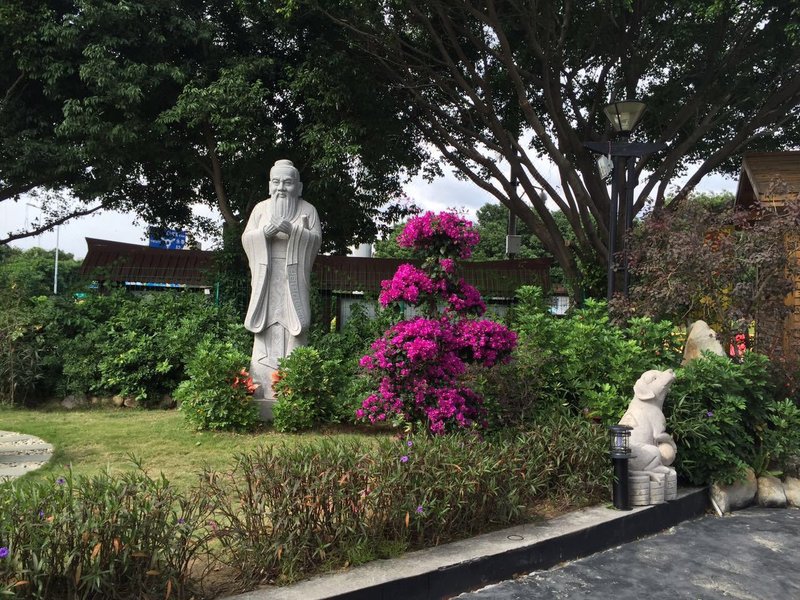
<point x="749" y="555"/>
<point x="21" y="453"/>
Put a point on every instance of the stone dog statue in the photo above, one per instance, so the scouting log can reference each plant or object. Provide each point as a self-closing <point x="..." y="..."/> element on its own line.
<point x="652" y="447"/>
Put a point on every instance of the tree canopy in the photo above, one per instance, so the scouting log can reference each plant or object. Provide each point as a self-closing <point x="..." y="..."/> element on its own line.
<point x="28" y="273"/>
<point x="154" y="105"/>
<point x="502" y="87"/>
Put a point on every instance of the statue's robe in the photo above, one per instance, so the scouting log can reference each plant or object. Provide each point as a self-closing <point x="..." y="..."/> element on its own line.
<point x="279" y="313"/>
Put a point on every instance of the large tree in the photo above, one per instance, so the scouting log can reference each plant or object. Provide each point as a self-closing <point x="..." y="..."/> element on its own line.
<point x="153" y="105"/>
<point x="507" y="90"/>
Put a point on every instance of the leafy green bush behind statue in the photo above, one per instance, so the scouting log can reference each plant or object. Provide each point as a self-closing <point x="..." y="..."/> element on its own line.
<point x="217" y="393"/>
<point x="726" y="416"/>
<point x="120" y="343"/>
<point x="322" y="383"/>
<point x="580" y="362"/>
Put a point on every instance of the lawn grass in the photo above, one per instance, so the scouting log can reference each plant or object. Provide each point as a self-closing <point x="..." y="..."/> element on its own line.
<point x="94" y="439"/>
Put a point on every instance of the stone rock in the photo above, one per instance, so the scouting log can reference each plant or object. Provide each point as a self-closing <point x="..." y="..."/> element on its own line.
<point x="118" y="401"/>
<point x="737" y="495"/>
<point x="130" y="402"/>
<point x="167" y="402"/>
<point x="792" y="467"/>
<point x="771" y="493"/>
<point x="95" y="400"/>
<point x="74" y="401"/>
<point x="791" y="488"/>
<point x="700" y="338"/>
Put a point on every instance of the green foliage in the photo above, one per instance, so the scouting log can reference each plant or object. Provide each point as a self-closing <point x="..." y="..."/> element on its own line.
<point x="19" y="355"/>
<point x="322" y="383"/>
<point x="29" y="360"/>
<point x="29" y="273"/>
<point x="119" y="343"/>
<point x="293" y="510"/>
<point x="724" y="417"/>
<point x="492" y="224"/>
<point x="216" y="395"/>
<point x="152" y="105"/>
<point x="100" y="537"/>
<point x="29" y="320"/>
<point x="305" y="390"/>
<point x="581" y="361"/>
<point x="137" y="346"/>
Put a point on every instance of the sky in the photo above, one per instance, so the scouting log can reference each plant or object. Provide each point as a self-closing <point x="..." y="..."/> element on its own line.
<point x="443" y="193"/>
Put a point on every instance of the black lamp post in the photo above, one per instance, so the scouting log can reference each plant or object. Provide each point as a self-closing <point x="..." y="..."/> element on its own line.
<point x="623" y="116"/>
<point x="620" y="450"/>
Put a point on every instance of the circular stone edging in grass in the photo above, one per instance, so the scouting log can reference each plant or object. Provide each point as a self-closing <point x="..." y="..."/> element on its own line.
<point x="21" y="453"/>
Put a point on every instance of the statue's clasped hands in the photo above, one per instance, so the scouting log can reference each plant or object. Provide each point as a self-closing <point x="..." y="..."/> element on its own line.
<point x="273" y="228"/>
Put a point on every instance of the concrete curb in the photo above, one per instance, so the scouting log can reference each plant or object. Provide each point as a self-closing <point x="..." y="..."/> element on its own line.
<point x="21" y="453"/>
<point x="451" y="569"/>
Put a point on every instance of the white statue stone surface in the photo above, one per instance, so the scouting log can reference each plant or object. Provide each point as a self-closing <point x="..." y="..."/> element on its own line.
<point x="653" y="449"/>
<point x="700" y="338"/>
<point x="281" y="240"/>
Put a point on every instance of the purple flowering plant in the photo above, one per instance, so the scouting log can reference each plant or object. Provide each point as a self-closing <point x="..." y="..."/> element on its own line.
<point x="418" y="363"/>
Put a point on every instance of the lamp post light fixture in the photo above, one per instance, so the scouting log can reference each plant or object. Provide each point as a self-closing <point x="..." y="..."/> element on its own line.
<point x="624" y="116"/>
<point x="620" y="450"/>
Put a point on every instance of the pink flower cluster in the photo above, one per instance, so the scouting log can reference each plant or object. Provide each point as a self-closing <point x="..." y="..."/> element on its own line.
<point x="465" y="299"/>
<point x="436" y="232"/>
<point x="408" y="284"/>
<point x="418" y="363"/>
<point x="486" y="342"/>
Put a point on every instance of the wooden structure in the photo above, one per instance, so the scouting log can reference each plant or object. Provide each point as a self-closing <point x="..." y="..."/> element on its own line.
<point x="773" y="180"/>
<point x="494" y="278"/>
<point x="138" y="267"/>
<point x="336" y="277"/>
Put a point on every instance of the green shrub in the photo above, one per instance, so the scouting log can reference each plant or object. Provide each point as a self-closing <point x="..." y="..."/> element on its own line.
<point x="724" y="417"/>
<point x="101" y="537"/>
<point x="216" y="395"/>
<point x="20" y="351"/>
<point x="81" y="338"/>
<point x="138" y="346"/>
<point x="306" y="390"/>
<point x="322" y="383"/>
<point x="292" y="510"/>
<point x="581" y="361"/>
<point x="144" y="353"/>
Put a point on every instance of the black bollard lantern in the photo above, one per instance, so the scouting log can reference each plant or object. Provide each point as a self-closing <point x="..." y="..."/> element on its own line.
<point x="620" y="438"/>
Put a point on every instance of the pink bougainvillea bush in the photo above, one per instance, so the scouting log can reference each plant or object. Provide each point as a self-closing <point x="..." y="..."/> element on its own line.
<point x="418" y="363"/>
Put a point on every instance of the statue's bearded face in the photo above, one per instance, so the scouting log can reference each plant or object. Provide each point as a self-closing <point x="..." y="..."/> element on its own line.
<point x="283" y="184"/>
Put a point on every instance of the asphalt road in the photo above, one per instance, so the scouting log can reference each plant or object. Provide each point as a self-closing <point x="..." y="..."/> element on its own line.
<point x="753" y="554"/>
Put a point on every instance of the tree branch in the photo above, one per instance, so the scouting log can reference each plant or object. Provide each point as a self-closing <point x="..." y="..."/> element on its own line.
<point x="48" y="225"/>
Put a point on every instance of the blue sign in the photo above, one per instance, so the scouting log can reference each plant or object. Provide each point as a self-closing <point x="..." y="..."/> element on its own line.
<point x="171" y="239"/>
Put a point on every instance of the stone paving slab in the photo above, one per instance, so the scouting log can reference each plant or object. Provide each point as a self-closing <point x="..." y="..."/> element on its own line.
<point x="21" y="453"/>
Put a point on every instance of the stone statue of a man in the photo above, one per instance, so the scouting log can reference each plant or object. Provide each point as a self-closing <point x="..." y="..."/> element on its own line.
<point x="281" y="240"/>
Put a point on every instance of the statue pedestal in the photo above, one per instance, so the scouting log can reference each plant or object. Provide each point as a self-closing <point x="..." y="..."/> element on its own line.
<point x="264" y="399"/>
<point x="264" y="408"/>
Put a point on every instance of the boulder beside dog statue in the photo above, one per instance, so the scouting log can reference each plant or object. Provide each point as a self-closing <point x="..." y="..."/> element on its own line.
<point x="651" y="479"/>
